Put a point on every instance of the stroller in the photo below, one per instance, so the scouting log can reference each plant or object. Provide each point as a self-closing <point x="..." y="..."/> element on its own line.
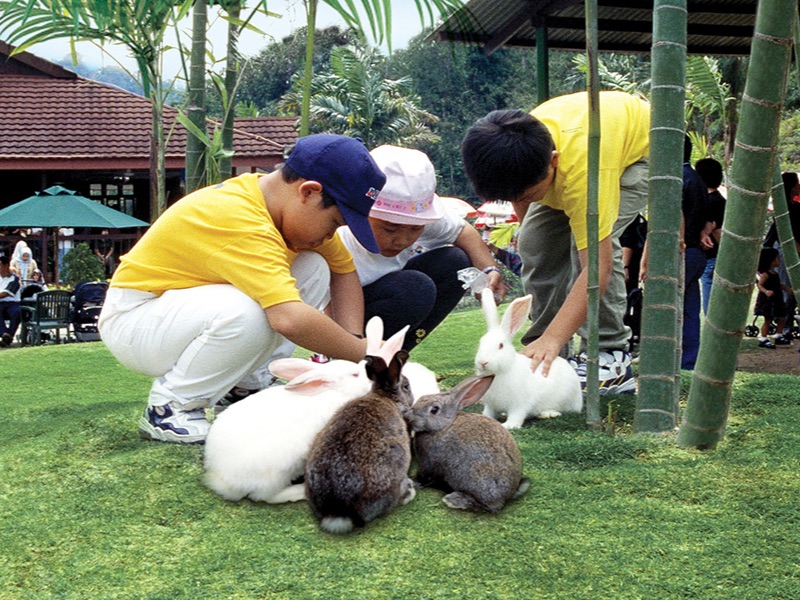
<point x="87" y="302"/>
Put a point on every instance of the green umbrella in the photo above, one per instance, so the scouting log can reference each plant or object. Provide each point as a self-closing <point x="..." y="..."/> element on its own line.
<point x="59" y="207"/>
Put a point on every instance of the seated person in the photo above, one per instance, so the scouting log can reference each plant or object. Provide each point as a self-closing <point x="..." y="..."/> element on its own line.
<point x="412" y="278"/>
<point x="23" y="263"/>
<point x="9" y="302"/>
<point x="216" y="284"/>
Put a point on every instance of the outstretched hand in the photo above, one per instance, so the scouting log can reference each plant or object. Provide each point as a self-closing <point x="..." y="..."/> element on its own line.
<point x="542" y="351"/>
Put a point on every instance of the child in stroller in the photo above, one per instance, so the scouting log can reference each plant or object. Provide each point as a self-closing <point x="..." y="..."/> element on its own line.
<point x="87" y="302"/>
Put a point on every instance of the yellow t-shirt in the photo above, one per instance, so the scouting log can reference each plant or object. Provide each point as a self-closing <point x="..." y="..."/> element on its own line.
<point x="220" y="234"/>
<point x="624" y="140"/>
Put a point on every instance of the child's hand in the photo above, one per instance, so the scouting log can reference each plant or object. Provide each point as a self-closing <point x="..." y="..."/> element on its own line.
<point x="544" y="351"/>
<point x="768" y="293"/>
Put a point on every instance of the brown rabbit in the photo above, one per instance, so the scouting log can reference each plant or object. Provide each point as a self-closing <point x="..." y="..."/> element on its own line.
<point x="467" y="454"/>
<point x="357" y="468"/>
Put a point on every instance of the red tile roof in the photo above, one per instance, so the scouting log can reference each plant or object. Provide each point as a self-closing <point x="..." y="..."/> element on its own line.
<point x="54" y="119"/>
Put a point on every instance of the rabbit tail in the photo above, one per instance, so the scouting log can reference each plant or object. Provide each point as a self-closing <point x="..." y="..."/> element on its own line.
<point x="524" y="485"/>
<point x="337" y="525"/>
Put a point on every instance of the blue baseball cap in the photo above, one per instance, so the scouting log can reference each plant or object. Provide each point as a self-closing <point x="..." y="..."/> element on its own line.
<point x="347" y="173"/>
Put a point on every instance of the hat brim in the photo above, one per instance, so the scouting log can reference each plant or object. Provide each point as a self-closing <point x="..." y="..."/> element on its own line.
<point x="433" y="213"/>
<point x="360" y="227"/>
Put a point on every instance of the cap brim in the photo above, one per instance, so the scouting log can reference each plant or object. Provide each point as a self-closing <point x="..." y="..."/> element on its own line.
<point x="359" y="225"/>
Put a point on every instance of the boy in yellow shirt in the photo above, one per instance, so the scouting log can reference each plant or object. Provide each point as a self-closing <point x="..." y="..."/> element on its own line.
<point x="538" y="162"/>
<point x="230" y="271"/>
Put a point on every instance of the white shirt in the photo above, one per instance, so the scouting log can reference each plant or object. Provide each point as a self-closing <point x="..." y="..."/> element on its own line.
<point x="10" y="284"/>
<point x="371" y="267"/>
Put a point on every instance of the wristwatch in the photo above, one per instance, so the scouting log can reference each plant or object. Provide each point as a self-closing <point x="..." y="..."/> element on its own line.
<point x="488" y="270"/>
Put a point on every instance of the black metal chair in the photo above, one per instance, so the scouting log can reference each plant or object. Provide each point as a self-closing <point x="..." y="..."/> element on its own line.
<point x="47" y="311"/>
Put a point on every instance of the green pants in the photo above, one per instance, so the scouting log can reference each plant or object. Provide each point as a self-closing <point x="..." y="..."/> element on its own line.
<point x="550" y="263"/>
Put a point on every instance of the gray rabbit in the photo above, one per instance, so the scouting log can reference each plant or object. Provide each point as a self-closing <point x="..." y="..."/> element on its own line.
<point x="471" y="456"/>
<point x="357" y="468"/>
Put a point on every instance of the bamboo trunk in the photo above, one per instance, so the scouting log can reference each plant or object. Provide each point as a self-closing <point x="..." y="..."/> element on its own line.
<point x="754" y="152"/>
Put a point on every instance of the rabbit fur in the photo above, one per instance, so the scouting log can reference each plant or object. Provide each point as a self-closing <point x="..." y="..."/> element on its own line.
<point x="516" y="391"/>
<point x="357" y="468"/>
<point x="469" y="455"/>
<point x="259" y="445"/>
<point x="422" y="380"/>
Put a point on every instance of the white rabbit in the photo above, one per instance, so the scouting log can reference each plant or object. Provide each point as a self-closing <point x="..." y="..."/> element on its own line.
<point x="259" y="445"/>
<point x="516" y="391"/>
<point x="421" y="379"/>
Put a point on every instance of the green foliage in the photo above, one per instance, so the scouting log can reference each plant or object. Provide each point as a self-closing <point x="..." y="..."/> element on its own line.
<point x="357" y="99"/>
<point x="789" y="141"/>
<point x="81" y="264"/>
<point x="268" y="75"/>
<point x="91" y="511"/>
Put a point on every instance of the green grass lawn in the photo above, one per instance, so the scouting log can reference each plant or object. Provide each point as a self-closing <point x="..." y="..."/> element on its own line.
<point x="89" y="510"/>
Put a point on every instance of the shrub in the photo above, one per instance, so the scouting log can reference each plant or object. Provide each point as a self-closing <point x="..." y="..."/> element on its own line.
<point x="80" y="264"/>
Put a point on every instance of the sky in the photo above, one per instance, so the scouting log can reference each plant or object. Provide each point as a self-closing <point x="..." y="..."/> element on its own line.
<point x="405" y="25"/>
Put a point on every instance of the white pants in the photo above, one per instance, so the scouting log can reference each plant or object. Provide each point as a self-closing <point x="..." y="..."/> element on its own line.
<point x="199" y="342"/>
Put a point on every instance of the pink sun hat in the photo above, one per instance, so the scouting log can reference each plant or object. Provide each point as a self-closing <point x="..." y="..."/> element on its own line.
<point x="409" y="197"/>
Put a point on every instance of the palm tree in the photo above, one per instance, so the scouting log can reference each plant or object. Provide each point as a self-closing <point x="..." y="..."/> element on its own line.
<point x="356" y="99"/>
<point x="751" y="177"/>
<point x="139" y="25"/>
<point x="196" y="100"/>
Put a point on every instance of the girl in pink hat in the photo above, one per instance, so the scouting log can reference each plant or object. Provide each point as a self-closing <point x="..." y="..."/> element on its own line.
<point x="413" y="279"/>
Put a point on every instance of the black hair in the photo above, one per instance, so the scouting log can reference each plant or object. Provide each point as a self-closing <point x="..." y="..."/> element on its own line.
<point x="710" y="171"/>
<point x="289" y="175"/>
<point x="4" y="260"/>
<point x="766" y="258"/>
<point x="789" y="183"/>
<point x="506" y="152"/>
<point x="687" y="148"/>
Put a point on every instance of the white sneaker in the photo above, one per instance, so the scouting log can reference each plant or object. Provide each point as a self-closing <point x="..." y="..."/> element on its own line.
<point x="616" y="375"/>
<point x="171" y="424"/>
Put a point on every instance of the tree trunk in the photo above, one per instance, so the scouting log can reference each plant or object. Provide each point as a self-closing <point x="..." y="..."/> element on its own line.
<point x="754" y="152"/>
<point x="308" y="72"/>
<point x="592" y="215"/>
<point x="231" y="82"/>
<point x="196" y="108"/>
<point x="656" y="407"/>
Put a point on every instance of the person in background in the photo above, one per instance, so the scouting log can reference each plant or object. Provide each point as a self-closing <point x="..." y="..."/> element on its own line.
<point x="230" y="271"/>
<point x="9" y="302"/>
<point x="412" y="279"/>
<point x="710" y="171"/>
<point x="695" y="226"/>
<point x="539" y="163"/>
<point x="769" y="300"/>
<point x="23" y="263"/>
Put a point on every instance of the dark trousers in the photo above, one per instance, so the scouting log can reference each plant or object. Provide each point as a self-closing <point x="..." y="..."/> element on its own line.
<point x="695" y="261"/>
<point x="421" y="295"/>
<point x="9" y="311"/>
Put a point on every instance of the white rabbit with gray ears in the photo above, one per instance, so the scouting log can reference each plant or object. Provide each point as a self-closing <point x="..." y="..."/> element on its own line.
<point x="516" y="390"/>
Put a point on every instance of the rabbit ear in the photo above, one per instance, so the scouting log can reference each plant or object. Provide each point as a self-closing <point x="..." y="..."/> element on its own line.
<point x="289" y="368"/>
<point x="516" y="314"/>
<point x="391" y="346"/>
<point x="314" y="381"/>
<point x="374" y="331"/>
<point x="470" y="390"/>
<point x="489" y="308"/>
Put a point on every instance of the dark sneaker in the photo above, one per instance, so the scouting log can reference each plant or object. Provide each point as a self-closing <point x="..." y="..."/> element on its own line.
<point x="616" y="374"/>
<point x="5" y="340"/>
<point x="170" y="424"/>
<point x="766" y="344"/>
<point x="782" y="340"/>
